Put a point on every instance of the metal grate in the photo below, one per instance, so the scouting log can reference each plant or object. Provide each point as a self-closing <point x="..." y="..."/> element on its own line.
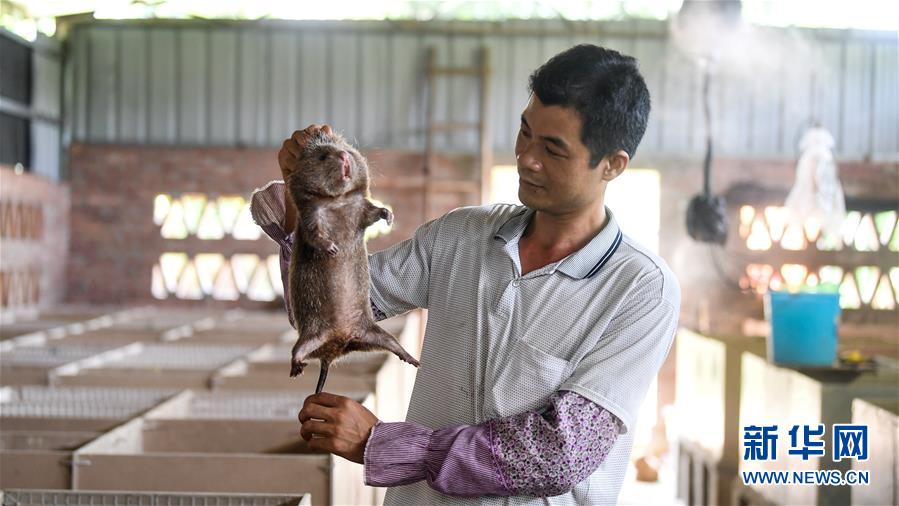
<point x="50" y="356"/>
<point x="94" y="394"/>
<point x="81" y="411"/>
<point x="45" y="440"/>
<point x="86" y="498"/>
<point x="80" y="403"/>
<point x="162" y="356"/>
<point x="245" y="406"/>
<point x="39" y="332"/>
<point x="252" y="320"/>
<point x="163" y="319"/>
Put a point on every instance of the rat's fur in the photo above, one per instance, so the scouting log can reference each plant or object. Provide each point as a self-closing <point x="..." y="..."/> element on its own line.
<point x="329" y="277"/>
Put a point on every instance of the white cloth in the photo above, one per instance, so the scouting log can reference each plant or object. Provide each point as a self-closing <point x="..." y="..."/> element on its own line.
<point x="600" y="322"/>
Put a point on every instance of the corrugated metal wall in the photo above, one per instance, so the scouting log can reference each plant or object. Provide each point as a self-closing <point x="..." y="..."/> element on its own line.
<point x="199" y="83"/>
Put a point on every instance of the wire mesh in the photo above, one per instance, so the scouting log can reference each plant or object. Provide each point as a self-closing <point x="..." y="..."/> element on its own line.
<point x="49" y="356"/>
<point x="45" y="440"/>
<point x="79" y="411"/>
<point x="80" y="403"/>
<point x="162" y="319"/>
<point x="244" y="406"/>
<point x="94" y="394"/>
<point x="167" y="356"/>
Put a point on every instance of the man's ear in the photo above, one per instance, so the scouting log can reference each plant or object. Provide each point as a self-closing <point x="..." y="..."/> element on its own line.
<point x="613" y="165"/>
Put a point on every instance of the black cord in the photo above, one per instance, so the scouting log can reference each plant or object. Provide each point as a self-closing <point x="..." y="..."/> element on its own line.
<point x="707" y="163"/>
<point x="723" y="277"/>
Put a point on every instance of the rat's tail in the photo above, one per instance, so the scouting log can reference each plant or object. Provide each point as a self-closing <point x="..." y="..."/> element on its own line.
<point x="322" y="376"/>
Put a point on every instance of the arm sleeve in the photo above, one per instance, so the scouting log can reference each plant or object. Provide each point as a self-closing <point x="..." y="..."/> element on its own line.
<point x="617" y="372"/>
<point x="267" y="208"/>
<point x="539" y="453"/>
<point x="400" y="274"/>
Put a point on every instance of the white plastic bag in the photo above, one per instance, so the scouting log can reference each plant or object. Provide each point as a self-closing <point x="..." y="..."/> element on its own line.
<point x="817" y="193"/>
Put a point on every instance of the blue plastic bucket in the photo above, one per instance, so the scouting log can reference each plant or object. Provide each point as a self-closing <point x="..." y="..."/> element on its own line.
<point x="803" y="328"/>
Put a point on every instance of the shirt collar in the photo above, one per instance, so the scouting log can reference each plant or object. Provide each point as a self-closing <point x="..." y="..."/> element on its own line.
<point x="583" y="263"/>
<point x="515" y="225"/>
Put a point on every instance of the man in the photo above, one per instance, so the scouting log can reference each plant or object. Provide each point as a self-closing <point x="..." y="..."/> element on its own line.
<point x="546" y="324"/>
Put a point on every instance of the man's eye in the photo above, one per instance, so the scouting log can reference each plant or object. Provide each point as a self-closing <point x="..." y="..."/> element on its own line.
<point x="553" y="153"/>
<point x="323" y="157"/>
<point x="525" y="132"/>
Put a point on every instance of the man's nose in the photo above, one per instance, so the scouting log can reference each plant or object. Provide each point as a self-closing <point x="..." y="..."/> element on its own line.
<point x="527" y="159"/>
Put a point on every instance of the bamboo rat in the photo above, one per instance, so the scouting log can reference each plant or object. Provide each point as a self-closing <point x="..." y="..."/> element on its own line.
<point x="328" y="274"/>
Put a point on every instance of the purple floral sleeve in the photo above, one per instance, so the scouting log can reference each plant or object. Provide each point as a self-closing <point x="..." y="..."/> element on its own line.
<point x="548" y="454"/>
<point x="535" y="453"/>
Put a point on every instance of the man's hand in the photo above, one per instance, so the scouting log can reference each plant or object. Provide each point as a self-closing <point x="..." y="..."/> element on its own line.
<point x="288" y="156"/>
<point x="337" y="425"/>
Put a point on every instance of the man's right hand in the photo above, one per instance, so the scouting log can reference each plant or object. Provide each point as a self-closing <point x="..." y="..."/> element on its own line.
<point x="293" y="147"/>
<point x="288" y="156"/>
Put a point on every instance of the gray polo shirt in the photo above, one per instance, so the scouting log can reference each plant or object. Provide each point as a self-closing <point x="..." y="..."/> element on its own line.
<point x="599" y="322"/>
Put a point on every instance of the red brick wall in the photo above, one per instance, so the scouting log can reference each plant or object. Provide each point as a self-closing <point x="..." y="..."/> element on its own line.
<point x="114" y="236"/>
<point x="34" y="233"/>
<point x="115" y="243"/>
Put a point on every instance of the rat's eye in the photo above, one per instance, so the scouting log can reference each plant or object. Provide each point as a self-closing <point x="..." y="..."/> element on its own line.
<point x="323" y="157"/>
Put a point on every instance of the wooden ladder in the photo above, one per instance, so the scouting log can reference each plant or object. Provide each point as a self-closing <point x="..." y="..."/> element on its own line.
<point x="478" y="188"/>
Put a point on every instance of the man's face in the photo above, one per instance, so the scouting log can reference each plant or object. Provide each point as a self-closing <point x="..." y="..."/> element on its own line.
<point x="553" y="164"/>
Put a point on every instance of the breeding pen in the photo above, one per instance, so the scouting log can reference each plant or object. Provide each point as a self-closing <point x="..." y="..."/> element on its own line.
<point x="29" y="365"/>
<point x="43" y="426"/>
<point x="193" y="441"/>
<point x="168" y="365"/>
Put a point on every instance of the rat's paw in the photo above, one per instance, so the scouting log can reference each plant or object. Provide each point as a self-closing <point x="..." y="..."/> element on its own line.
<point x="333" y="249"/>
<point x="387" y="215"/>
<point x="296" y="368"/>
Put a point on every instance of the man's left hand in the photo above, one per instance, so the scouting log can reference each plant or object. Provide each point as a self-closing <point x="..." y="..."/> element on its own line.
<point x="337" y="425"/>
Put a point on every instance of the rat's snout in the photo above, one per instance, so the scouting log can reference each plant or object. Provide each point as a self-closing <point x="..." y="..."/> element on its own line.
<point x="345" y="164"/>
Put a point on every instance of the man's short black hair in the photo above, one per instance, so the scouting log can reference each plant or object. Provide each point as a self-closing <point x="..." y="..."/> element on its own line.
<point x="605" y="88"/>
